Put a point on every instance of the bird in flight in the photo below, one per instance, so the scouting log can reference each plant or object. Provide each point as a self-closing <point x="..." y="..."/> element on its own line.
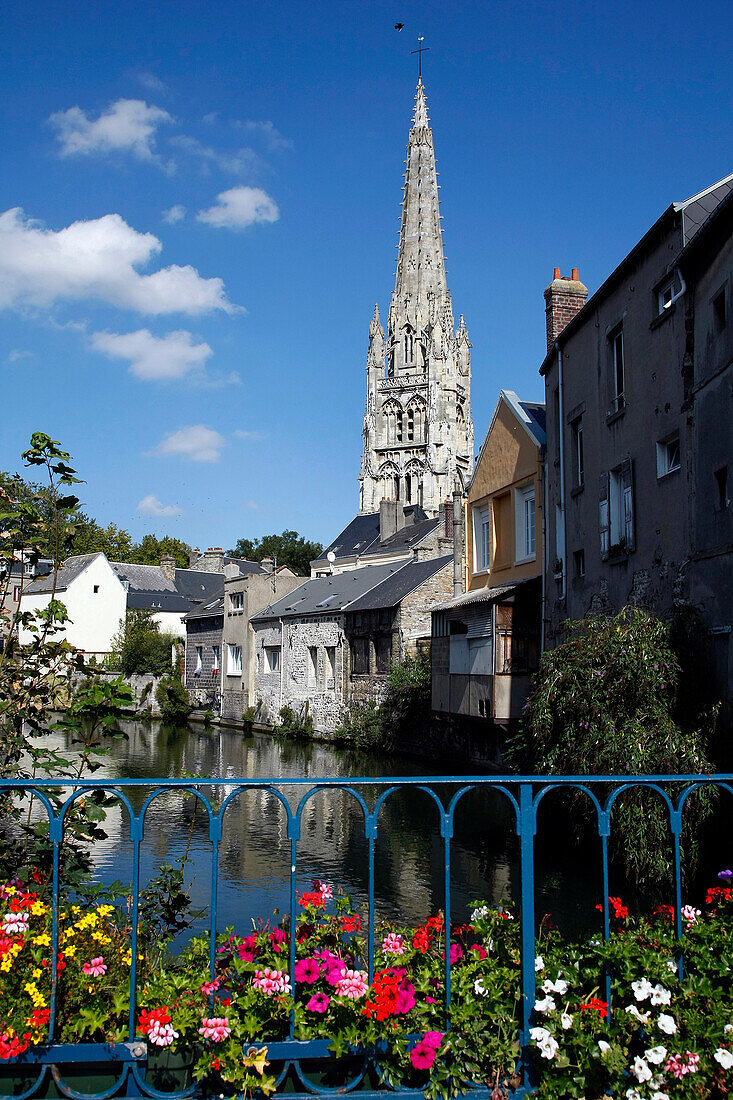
<point x="398" y="26"/>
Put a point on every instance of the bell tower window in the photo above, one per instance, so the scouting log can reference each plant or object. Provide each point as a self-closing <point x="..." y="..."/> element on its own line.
<point x="399" y="426"/>
<point x="410" y="425"/>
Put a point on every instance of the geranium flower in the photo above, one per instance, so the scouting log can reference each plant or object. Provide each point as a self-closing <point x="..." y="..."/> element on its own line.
<point x="421" y="940"/>
<point x="679" y="1065"/>
<point x="393" y="944"/>
<point x="352" y="984"/>
<point x="307" y="970"/>
<point x="595" y="1005"/>
<point x="215" y="1028"/>
<point x="162" y="1035"/>
<point x="319" y="1002"/>
<point x="96" y="968"/>
<point x="323" y="889"/>
<point x="210" y="987"/>
<point x="312" y="898"/>
<point x="690" y="915"/>
<point x="271" y="981"/>
<point x="723" y="1057"/>
<point x="15" y="924"/>
<point x="351" y="923"/>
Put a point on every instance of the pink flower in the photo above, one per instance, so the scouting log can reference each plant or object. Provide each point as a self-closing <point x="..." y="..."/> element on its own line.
<point x="456" y="953"/>
<point x="679" y="1065"/>
<point x="433" y="1039"/>
<point x="271" y="981"/>
<point x="307" y="970"/>
<point x="405" y="998"/>
<point x="422" y="1056"/>
<point x="162" y="1035"/>
<point x="352" y="984"/>
<point x="480" y="951"/>
<point x="319" y="1002"/>
<point x="246" y="949"/>
<point x="689" y="915"/>
<point x="278" y="938"/>
<point x="323" y="889"/>
<point x="215" y="1028"/>
<point x="336" y="970"/>
<point x="95" y="968"/>
<point x="210" y="987"/>
<point x="15" y="924"/>
<point x="393" y="944"/>
<point x="430" y="1001"/>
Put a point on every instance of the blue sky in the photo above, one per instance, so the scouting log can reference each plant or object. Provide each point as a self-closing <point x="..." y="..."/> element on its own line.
<point x="199" y="206"/>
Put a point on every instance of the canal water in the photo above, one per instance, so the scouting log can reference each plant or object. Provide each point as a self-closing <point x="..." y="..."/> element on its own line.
<point x="254" y="855"/>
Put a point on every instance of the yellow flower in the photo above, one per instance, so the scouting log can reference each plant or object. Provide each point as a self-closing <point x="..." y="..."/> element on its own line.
<point x="43" y="940"/>
<point x="105" y="910"/>
<point x="38" y="909"/>
<point x="70" y="951"/>
<point x="127" y="958"/>
<point x="101" y="937"/>
<point x="37" y="973"/>
<point x="6" y="963"/>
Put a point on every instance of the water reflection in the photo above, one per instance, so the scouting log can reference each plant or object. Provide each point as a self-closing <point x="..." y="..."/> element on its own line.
<point x="254" y="854"/>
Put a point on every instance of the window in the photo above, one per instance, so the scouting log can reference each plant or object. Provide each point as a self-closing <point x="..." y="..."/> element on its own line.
<point x="616" y="510"/>
<point x="236" y="601"/>
<point x="577" y="456"/>
<point x="331" y="662"/>
<point x="234" y="660"/>
<point x="272" y="658"/>
<point x="16" y="593"/>
<point x="525" y="523"/>
<point x="618" y="396"/>
<point x="668" y="455"/>
<point x="215" y="668"/>
<point x="665" y="294"/>
<point x="383" y="651"/>
<point x="481" y="538"/>
<point x="503" y="539"/>
<point x="312" y="664"/>
<point x="721" y="482"/>
<point x="199" y="660"/>
<point x="720" y="313"/>
<point x="96" y="589"/>
<point x="360" y="656"/>
<point x="579" y="563"/>
<point x="410" y="425"/>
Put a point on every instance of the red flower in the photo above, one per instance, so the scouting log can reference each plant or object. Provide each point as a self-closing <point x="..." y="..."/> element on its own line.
<point x="620" y="911"/>
<point x="595" y="1005"/>
<point x="421" y="940"/>
<point x="351" y="924"/>
<point x="666" y="912"/>
<point x="155" y="1015"/>
<point x="718" y="893"/>
<point x="312" y="897"/>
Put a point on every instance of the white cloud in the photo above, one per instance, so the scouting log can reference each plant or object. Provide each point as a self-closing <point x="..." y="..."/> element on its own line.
<point x="126" y="126"/>
<point x="174" y="214"/>
<point x="154" y="357"/>
<point x="266" y="129"/>
<point x="242" y="162"/>
<point x="196" y="443"/>
<point x="17" y="354"/>
<point x="152" y="82"/>
<point x="243" y="433"/>
<point x="240" y="207"/>
<point x="151" y="506"/>
<point x="96" y="259"/>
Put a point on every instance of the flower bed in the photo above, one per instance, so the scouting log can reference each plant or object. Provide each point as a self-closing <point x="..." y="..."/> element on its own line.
<point x="666" y="1037"/>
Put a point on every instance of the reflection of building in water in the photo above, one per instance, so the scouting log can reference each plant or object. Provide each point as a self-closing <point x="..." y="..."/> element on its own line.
<point x="254" y="857"/>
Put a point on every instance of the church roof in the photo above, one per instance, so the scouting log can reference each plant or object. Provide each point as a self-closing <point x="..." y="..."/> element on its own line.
<point x="361" y="536"/>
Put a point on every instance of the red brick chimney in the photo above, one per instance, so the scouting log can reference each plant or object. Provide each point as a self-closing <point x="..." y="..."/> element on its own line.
<point x="564" y="297"/>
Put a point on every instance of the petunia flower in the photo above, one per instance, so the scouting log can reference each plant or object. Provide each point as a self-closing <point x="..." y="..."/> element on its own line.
<point x="723" y="1057"/>
<point x="319" y="1002"/>
<point x="667" y="1024"/>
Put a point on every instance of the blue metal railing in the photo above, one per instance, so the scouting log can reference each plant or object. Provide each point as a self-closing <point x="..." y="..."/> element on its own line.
<point x="523" y="793"/>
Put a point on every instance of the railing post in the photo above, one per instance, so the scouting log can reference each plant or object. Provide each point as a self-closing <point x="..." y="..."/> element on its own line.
<point x="526" y="831"/>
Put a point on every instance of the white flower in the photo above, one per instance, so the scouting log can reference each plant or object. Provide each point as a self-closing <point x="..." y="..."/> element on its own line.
<point x="728" y="1027"/>
<point x="667" y="1024"/>
<point x="539" y="1034"/>
<point x="633" y="1094"/>
<point x="560" y="986"/>
<point x="479" y="988"/>
<point x="656" y="1055"/>
<point x="603" y="1046"/>
<point x="641" y="1070"/>
<point x="660" y="1096"/>
<point x="642" y="989"/>
<point x="545" y="1005"/>
<point x="671" y="966"/>
<point x="539" y="964"/>
<point x="481" y="912"/>
<point x="723" y="1057"/>
<point x="566" y="1021"/>
<point x="660" y="995"/>
<point x="690" y="915"/>
<point x="15" y="923"/>
<point x="642" y="1017"/>
<point x="546" y="1045"/>
<point x="656" y="1082"/>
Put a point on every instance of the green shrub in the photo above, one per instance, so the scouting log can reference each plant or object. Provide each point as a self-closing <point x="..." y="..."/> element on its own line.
<point x="139" y="645"/>
<point x="361" y="726"/>
<point x="295" y="726"/>
<point x="406" y="707"/>
<point x="172" y="698"/>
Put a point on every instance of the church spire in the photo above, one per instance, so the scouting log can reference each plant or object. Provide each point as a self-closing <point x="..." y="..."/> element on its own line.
<point x="420" y="262"/>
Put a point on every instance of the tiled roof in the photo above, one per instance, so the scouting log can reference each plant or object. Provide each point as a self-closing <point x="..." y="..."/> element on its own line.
<point x="143" y="578"/>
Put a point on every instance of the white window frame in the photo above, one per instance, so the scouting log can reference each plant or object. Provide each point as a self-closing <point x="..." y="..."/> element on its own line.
<point x="234" y="659"/>
<point x="525" y="524"/>
<point x="618" y="393"/>
<point x="481" y="539"/>
<point x="665" y="456"/>
<point x="199" y="660"/>
<point x="217" y="656"/>
<point x="236" y="601"/>
<point x="665" y="294"/>
<point x="273" y="658"/>
<point x="578" y="451"/>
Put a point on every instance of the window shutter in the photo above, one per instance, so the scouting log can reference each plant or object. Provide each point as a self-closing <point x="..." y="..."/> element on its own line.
<point x="603" y="518"/>
<point x="627" y="492"/>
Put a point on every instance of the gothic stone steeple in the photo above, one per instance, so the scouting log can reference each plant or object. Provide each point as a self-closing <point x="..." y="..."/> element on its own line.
<point x="418" y="432"/>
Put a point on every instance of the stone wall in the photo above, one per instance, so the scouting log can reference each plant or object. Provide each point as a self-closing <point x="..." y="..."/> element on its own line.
<point x="414" y="612"/>
<point x="295" y="685"/>
<point x="204" y="687"/>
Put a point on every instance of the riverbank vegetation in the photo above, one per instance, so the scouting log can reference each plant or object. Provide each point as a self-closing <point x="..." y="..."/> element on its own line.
<point x="374" y="727"/>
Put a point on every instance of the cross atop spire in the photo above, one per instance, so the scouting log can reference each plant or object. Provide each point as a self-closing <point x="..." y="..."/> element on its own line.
<point x="420" y="51"/>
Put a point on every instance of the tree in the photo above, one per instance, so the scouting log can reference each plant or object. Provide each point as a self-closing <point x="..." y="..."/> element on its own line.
<point x="289" y="549"/>
<point x="603" y="703"/>
<point x="151" y="549"/>
<point x="139" y="645"/>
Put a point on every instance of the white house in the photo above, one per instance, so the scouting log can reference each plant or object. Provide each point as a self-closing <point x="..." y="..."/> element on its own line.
<point x="94" y="597"/>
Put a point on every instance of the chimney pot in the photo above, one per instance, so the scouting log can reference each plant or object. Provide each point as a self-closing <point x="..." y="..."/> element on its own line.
<point x="575" y="275"/>
<point x="556" y="273"/>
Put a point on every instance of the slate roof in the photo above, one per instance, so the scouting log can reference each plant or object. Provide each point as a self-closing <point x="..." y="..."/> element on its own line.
<point x="244" y="565"/>
<point x="361" y="536"/>
<point x="697" y="209"/>
<point x="148" y="586"/>
<point x="210" y="610"/>
<point x="394" y="589"/>
<point x="69" y="571"/>
<point x="143" y="578"/>
<point x="538" y="420"/>
<point x="324" y="595"/>
<point x="197" y="585"/>
<point x="158" y="601"/>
